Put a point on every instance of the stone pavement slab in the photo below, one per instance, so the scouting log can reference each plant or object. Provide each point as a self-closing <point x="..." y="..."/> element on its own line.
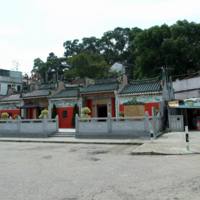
<point x="171" y="144"/>
<point x="168" y="144"/>
<point x="165" y="149"/>
<point x="44" y="171"/>
<point x="75" y="140"/>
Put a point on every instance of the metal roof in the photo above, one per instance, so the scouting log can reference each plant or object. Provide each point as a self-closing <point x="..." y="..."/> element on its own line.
<point x="142" y="86"/>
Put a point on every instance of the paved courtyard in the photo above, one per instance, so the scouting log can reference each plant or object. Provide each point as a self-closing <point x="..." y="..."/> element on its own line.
<point x="38" y="171"/>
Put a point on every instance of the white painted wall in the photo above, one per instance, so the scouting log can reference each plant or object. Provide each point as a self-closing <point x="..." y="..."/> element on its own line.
<point x="187" y="88"/>
<point x="186" y="84"/>
<point x="4" y="88"/>
<point x="13" y="78"/>
<point x="188" y="94"/>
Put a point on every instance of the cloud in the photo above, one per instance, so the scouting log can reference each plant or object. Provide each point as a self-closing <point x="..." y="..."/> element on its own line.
<point x="69" y="19"/>
<point x="10" y="30"/>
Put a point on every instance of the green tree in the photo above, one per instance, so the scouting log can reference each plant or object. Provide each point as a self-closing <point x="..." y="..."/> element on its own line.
<point x="148" y="52"/>
<point x="88" y="65"/>
<point x="114" y="45"/>
<point x="144" y="52"/>
<point x="72" y="48"/>
<point x="55" y="68"/>
<point x="91" y="45"/>
<point x="70" y="74"/>
<point x="39" y="69"/>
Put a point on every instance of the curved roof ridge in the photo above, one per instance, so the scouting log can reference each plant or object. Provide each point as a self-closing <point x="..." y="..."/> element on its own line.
<point x="147" y="80"/>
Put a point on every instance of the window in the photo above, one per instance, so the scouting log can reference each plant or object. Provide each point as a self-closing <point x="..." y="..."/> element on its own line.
<point x="64" y="114"/>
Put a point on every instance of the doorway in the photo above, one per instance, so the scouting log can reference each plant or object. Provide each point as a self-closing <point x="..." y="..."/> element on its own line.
<point x="193" y="116"/>
<point x="102" y="110"/>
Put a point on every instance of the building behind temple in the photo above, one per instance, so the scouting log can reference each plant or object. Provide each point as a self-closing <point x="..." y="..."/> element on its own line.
<point x="10" y="82"/>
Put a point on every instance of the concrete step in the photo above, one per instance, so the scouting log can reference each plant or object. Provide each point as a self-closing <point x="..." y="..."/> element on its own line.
<point x="64" y="134"/>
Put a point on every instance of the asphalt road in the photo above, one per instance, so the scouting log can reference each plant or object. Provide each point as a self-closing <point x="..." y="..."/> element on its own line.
<point x="37" y="171"/>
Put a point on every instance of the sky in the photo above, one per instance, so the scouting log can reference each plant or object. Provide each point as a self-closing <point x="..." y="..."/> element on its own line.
<point x="33" y="28"/>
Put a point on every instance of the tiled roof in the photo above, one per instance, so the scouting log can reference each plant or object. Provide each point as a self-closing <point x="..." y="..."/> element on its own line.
<point x="142" y="86"/>
<point x="67" y="93"/>
<point x="102" y="87"/>
<point x="106" y="81"/>
<point x="47" y="86"/>
<point x="36" y="93"/>
<point x="14" y="97"/>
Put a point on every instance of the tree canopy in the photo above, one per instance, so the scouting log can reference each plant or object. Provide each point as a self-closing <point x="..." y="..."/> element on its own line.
<point x="88" y="65"/>
<point x="144" y="52"/>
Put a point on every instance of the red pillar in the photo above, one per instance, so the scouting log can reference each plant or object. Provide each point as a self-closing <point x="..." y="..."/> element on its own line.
<point x="89" y="104"/>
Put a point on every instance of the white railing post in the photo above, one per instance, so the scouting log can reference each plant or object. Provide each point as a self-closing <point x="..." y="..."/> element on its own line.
<point x="109" y="123"/>
<point x="77" y="123"/>
<point x="49" y="110"/>
<point x="151" y="129"/>
<point x="44" y="125"/>
<point x="187" y="140"/>
<point x="19" y="125"/>
<point x="57" y="123"/>
<point x="146" y="123"/>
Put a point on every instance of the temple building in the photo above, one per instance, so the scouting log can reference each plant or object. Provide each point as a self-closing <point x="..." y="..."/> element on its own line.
<point x="64" y="103"/>
<point x="11" y="104"/>
<point x="114" y="96"/>
<point x="139" y="97"/>
<point x="33" y="103"/>
<point x="100" y="97"/>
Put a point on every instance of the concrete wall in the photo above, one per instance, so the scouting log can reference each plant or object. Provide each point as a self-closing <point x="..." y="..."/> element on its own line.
<point x="187" y="88"/>
<point x="112" y="127"/>
<point x="28" y="128"/>
<point x="130" y="127"/>
<point x="187" y="94"/>
<point x="92" y="127"/>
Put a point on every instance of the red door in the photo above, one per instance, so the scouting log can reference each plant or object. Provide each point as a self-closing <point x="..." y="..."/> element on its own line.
<point x="30" y="113"/>
<point x="65" y="116"/>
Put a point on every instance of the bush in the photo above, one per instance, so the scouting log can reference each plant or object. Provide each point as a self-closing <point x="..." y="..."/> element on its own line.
<point x="44" y="114"/>
<point x="85" y="112"/>
<point x="4" y="115"/>
<point x="16" y="116"/>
